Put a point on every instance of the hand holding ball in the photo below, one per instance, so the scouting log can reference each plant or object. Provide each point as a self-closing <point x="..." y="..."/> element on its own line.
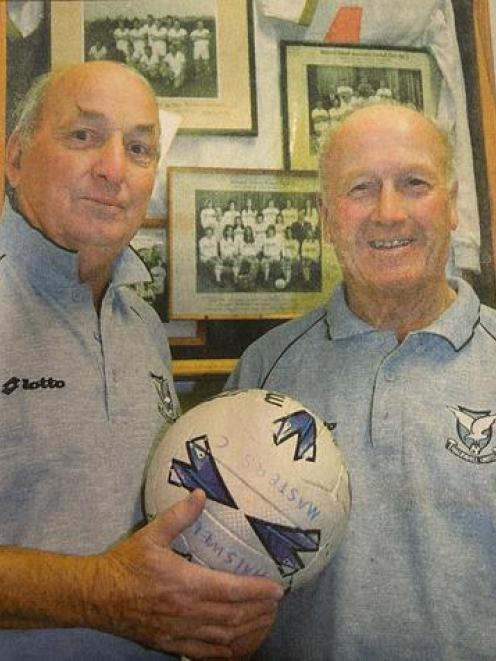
<point x="278" y="491"/>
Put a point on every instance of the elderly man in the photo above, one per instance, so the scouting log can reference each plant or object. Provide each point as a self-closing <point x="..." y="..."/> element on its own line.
<point x="401" y="360"/>
<point x="85" y="387"/>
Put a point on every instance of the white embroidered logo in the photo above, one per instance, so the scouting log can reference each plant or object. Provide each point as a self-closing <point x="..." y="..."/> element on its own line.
<point x="474" y="430"/>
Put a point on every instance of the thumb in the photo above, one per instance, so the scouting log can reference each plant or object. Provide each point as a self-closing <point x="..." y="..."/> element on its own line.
<point x="169" y="524"/>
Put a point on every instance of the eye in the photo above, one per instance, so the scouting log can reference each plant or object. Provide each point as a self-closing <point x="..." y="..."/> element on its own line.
<point x="141" y="152"/>
<point x="83" y="135"/>
<point x="361" y="188"/>
<point x="417" y="185"/>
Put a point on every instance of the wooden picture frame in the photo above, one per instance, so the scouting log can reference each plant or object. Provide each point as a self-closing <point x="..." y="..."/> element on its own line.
<point x="232" y="109"/>
<point x="219" y="269"/>
<point x="321" y="82"/>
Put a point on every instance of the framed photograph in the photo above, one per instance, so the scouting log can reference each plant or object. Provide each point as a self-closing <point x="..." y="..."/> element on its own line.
<point x="246" y="244"/>
<point x="149" y="243"/>
<point x="320" y="83"/>
<point x="197" y="54"/>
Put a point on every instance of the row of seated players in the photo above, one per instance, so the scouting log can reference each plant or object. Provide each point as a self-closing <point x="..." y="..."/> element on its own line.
<point x="259" y="221"/>
<point x="246" y="257"/>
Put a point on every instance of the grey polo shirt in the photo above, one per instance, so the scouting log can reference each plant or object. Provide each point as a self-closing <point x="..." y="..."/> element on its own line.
<point x="81" y="400"/>
<point x="415" y="577"/>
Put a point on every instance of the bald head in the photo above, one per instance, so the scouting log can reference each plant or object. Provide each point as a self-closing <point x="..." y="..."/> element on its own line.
<point x="373" y="120"/>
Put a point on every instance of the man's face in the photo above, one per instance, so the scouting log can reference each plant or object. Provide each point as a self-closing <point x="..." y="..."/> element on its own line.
<point x="389" y="210"/>
<point x="86" y="176"/>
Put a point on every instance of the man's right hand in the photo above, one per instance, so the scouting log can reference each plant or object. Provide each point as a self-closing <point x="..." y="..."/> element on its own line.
<point x="144" y="591"/>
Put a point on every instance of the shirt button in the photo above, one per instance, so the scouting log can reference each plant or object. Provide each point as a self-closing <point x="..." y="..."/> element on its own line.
<point x="389" y="377"/>
<point x="97" y="336"/>
<point x="76" y="296"/>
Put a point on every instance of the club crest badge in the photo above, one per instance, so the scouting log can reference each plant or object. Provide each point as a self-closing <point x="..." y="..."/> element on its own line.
<point x="475" y="434"/>
<point x="166" y="404"/>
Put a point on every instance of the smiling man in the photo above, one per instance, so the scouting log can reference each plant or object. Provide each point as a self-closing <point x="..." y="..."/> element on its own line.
<point x="81" y="355"/>
<point x="401" y="361"/>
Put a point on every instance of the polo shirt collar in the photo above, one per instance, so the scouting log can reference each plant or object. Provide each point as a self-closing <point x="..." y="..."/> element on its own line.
<point x="456" y="324"/>
<point x="48" y="263"/>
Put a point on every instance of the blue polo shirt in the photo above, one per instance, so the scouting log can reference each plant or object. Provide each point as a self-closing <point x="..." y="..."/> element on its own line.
<point x="415" y="577"/>
<point x="82" y="398"/>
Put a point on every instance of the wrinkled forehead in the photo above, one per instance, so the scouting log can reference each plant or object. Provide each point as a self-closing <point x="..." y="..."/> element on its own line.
<point x="115" y="95"/>
<point x="381" y="137"/>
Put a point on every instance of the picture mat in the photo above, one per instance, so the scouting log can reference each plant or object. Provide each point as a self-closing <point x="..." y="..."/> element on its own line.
<point x="233" y="111"/>
<point x="294" y="91"/>
<point x="185" y="302"/>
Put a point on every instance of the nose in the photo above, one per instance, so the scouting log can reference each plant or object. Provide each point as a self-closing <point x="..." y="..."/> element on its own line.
<point x="110" y="163"/>
<point x="390" y="205"/>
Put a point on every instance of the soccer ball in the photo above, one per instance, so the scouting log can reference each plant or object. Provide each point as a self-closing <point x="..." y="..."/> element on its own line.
<point x="278" y="491"/>
<point x="280" y="283"/>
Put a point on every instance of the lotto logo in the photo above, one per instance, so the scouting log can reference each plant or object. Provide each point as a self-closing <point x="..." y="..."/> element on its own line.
<point x="12" y="384"/>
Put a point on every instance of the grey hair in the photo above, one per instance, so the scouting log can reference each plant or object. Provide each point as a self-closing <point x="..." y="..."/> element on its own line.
<point x="27" y="114"/>
<point x="445" y="135"/>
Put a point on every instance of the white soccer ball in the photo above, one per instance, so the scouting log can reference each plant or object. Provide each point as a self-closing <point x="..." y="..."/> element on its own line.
<point x="278" y="491"/>
<point x="280" y="283"/>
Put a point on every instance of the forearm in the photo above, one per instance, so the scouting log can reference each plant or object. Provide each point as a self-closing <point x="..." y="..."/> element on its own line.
<point x="40" y="589"/>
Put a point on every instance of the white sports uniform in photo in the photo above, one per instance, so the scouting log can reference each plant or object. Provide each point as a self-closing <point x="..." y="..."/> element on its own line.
<point x="320" y="120"/>
<point x="157" y="36"/>
<point x="201" y="44"/>
<point x="138" y="39"/>
<point x="122" y="40"/>
<point x="98" y="53"/>
<point x="260" y="233"/>
<point x="290" y="215"/>
<point x="269" y="214"/>
<point x="272" y="249"/>
<point x="176" y="63"/>
<point x="248" y="216"/>
<point x="208" y="247"/>
<point x="229" y="217"/>
<point x="177" y="36"/>
<point x="208" y="218"/>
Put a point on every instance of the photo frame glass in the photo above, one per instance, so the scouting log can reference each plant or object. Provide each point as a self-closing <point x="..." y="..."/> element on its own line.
<point x="196" y="54"/>
<point x="246" y="244"/>
<point x="149" y="243"/>
<point x="320" y="83"/>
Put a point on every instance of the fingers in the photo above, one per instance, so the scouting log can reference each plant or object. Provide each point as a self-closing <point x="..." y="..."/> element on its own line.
<point x="230" y="615"/>
<point x="195" y="649"/>
<point x="217" y="643"/>
<point x="231" y="621"/>
<point x="222" y="586"/>
<point x="228" y="635"/>
<point x="167" y="526"/>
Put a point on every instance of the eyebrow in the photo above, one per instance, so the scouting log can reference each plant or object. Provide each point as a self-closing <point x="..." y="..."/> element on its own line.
<point x="94" y="116"/>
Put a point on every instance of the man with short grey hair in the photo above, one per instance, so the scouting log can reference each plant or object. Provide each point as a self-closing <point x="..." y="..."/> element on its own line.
<point x="85" y="387"/>
<point x="401" y="362"/>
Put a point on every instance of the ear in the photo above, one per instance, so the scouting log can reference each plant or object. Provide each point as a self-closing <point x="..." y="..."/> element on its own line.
<point x="453" y="202"/>
<point x="13" y="155"/>
<point x="325" y="218"/>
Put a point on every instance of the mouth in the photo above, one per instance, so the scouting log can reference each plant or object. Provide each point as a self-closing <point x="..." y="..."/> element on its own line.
<point x="390" y="244"/>
<point x="104" y="201"/>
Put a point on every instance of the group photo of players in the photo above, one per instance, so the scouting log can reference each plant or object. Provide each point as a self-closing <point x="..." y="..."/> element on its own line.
<point x="333" y="91"/>
<point x="258" y="241"/>
<point x="149" y="244"/>
<point x="175" y="51"/>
